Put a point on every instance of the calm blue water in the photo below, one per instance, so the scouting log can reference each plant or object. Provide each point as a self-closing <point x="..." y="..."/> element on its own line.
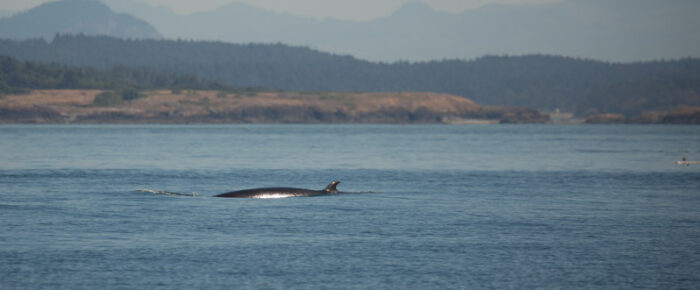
<point x="521" y="206"/>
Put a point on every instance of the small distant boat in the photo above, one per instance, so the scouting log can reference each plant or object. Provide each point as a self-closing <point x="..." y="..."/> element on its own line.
<point x="687" y="162"/>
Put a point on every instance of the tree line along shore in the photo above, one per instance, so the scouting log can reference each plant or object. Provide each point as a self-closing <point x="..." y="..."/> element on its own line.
<point x="32" y="92"/>
<point x="584" y="87"/>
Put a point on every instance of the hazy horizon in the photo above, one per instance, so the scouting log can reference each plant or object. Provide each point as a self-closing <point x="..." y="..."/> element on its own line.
<point x="393" y="30"/>
<point x="357" y="10"/>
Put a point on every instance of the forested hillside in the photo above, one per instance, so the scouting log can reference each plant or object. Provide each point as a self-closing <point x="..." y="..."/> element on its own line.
<point x="20" y="77"/>
<point x="536" y="81"/>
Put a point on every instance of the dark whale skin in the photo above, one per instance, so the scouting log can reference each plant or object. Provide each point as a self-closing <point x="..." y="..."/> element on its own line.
<point x="280" y="192"/>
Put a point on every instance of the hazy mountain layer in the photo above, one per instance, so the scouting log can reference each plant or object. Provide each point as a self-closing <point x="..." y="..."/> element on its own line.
<point x="618" y="30"/>
<point x="73" y="17"/>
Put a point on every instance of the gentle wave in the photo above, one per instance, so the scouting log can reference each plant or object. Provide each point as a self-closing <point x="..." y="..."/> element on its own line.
<point x="168" y="193"/>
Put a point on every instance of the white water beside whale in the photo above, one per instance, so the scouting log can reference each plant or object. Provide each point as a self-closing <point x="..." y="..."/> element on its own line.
<point x="168" y="193"/>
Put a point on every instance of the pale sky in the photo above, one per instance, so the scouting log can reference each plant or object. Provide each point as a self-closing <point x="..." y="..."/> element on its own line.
<point x="341" y="9"/>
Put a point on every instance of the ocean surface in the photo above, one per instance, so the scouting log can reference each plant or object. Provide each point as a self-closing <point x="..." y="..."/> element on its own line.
<point x="427" y="207"/>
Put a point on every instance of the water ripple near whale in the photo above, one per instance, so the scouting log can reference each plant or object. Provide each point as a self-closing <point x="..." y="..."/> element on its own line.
<point x="167" y="193"/>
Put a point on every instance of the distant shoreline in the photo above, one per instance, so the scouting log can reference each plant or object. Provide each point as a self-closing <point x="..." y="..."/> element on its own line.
<point x="260" y="107"/>
<point x="217" y="107"/>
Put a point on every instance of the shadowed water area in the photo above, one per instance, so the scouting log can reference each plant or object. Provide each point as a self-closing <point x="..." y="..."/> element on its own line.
<point x="502" y="206"/>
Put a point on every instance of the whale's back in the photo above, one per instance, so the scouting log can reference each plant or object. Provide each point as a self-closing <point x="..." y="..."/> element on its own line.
<point x="270" y="192"/>
<point x="280" y="192"/>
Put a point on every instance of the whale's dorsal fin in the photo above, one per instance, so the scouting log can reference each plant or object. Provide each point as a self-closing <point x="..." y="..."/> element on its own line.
<point x="331" y="187"/>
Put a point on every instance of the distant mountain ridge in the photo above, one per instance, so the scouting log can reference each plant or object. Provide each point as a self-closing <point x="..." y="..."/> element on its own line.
<point x="74" y="17"/>
<point x="609" y="30"/>
<point x="535" y="81"/>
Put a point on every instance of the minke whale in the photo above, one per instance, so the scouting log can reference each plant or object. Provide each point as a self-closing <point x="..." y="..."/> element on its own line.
<point x="281" y="192"/>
